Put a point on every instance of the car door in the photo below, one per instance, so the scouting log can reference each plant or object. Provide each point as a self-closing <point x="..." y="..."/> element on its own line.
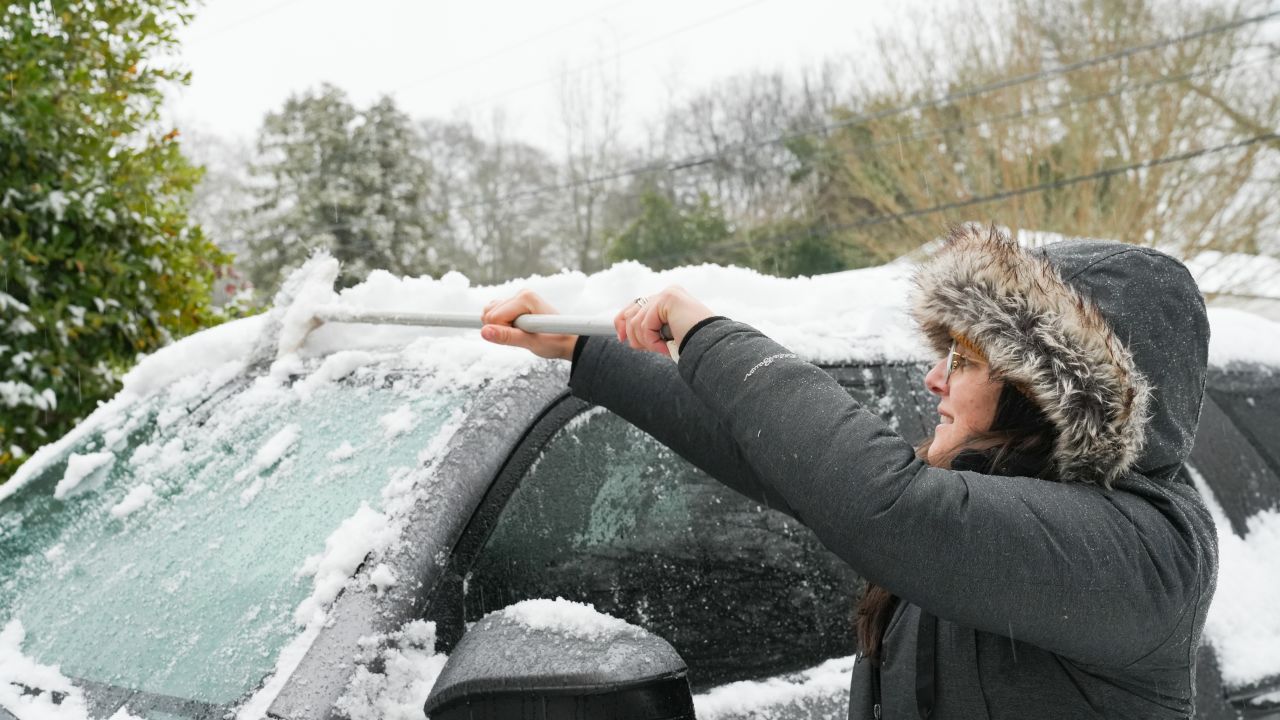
<point x="594" y="510"/>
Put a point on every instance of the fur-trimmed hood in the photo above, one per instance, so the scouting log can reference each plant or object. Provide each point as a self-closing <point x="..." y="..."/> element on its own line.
<point x="1110" y="340"/>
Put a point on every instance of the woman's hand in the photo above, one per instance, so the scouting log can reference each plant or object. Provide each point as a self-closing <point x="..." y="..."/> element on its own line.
<point x="499" y="315"/>
<point x="640" y="323"/>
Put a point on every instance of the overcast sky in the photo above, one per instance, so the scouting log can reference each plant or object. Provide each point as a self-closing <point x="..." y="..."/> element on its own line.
<point x="467" y="58"/>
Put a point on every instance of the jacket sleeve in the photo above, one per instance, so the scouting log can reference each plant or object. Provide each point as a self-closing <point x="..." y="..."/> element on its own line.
<point x="608" y="373"/>
<point x="1101" y="578"/>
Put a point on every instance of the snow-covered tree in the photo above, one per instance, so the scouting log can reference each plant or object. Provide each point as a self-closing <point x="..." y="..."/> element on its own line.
<point x="352" y="181"/>
<point x="98" y="259"/>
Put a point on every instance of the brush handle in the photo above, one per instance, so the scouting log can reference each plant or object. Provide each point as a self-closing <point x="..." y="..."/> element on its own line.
<point x="555" y="324"/>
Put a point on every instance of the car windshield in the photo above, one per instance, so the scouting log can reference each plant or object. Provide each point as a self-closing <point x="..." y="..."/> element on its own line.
<point x="166" y="557"/>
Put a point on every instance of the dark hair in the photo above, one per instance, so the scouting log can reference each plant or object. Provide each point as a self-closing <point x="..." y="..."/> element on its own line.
<point x="1019" y="444"/>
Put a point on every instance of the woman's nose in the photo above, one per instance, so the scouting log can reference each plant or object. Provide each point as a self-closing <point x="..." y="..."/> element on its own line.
<point x="934" y="380"/>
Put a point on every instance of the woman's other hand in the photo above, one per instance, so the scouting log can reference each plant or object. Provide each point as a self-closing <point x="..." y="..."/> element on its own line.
<point x="499" y="315"/>
<point x="639" y="324"/>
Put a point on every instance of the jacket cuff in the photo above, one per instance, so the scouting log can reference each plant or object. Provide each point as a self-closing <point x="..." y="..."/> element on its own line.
<point x="701" y="324"/>
<point x="577" y="352"/>
<point x="708" y="337"/>
<point x="586" y="356"/>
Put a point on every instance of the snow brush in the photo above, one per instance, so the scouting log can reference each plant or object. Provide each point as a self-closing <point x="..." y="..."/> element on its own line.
<point x="306" y="301"/>
<point x="531" y="323"/>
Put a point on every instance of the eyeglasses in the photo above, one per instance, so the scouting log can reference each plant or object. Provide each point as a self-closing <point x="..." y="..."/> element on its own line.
<point x="955" y="361"/>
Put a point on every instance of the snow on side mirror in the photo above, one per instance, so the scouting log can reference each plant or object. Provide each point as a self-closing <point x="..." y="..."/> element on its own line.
<point x="557" y="659"/>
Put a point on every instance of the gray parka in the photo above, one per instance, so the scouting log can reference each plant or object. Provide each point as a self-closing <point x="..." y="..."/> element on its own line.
<point x="1052" y="599"/>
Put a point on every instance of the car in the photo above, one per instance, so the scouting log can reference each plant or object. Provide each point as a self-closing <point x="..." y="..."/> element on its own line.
<point x="279" y="519"/>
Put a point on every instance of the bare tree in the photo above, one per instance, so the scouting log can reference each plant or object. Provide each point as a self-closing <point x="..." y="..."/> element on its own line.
<point x="590" y="104"/>
<point x="1095" y="117"/>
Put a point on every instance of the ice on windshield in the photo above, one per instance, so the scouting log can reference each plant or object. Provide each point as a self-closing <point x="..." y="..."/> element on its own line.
<point x="178" y="557"/>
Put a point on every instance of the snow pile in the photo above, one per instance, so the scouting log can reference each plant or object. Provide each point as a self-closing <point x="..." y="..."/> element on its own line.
<point x="223" y="348"/>
<point x="33" y="691"/>
<point x="275" y="448"/>
<point x="822" y="691"/>
<point x="137" y="498"/>
<point x="383" y="578"/>
<point x="856" y="315"/>
<point x="410" y="667"/>
<point x="308" y="288"/>
<point x="267" y="457"/>
<point x="335" y="367"/>
<point x="1238" y="336"/>
<point x="568" y="618"/>
<point x="345" y="451"/>
<point x="365" y="532"/>
<point x="1243" y="625"/>
<point x="852" y="315"/>
<point x="398" y="422"/>
<point x="92" y="467"/>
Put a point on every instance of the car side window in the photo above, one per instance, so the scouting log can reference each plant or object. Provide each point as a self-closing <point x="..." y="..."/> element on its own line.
<point x="609" y="516"/>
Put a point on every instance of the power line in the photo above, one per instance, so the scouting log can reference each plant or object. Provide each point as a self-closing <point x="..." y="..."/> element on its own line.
<point x="1026" y="78"/>
<point x="1048" y="109"/>
<point x="896" y="139"/>
<point x="1017" y="115"/>
<point x="696" y="160"/>
<point x="981" y="200"/>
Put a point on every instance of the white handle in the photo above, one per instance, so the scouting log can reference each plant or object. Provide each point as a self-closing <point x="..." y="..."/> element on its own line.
<point x="557" y="324"/>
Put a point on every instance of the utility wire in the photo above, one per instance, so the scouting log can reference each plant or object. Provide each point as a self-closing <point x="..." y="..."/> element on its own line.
<point x="696" y="160"/>
<point x="895" y="140"/>
<point x="1027" y="115"/>
<point x="981" y="200"/>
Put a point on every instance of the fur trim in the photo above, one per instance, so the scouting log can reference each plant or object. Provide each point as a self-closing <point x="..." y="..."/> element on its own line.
<point x="1042" y="335"/>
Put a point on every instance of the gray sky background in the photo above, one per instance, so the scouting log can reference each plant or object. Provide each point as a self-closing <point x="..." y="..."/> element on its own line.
<point x="450" y="60"/>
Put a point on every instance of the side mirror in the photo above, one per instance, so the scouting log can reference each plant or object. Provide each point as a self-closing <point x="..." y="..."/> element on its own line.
<point x="545" y="660"/>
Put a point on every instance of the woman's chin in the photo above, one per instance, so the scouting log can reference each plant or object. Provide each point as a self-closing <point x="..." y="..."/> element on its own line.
<point x="941" y="444"/>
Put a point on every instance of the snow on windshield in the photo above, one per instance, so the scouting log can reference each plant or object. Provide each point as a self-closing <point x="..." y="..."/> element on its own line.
<point x="198" y="527"/>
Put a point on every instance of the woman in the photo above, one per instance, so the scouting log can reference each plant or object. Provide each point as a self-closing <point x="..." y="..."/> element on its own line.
<point x="1043" y="555"/>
